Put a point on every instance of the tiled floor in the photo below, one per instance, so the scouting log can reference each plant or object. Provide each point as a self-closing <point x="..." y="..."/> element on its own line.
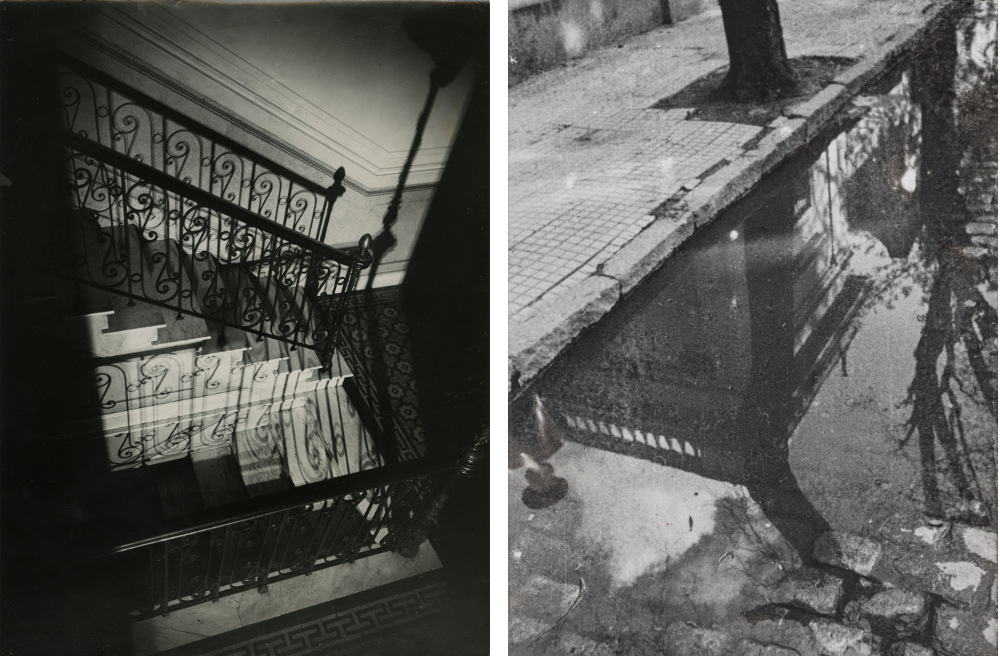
<point x="377" y="348"/>
<point x="584" y="192"/>
<point x="589" y="161"/>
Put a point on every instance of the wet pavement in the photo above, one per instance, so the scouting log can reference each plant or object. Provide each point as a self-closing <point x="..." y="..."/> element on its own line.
<point x="820" y="361"/>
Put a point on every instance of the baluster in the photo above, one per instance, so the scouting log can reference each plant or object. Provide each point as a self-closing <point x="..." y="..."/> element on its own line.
<point x="242" y="533"/>
<point x="345" y="504"/>
<point x="208" y="561"/>
<point x="232" y="295"/>
<point x="221" y="543"/>
<point x="211" y="167"/>
<point x="179" y="549"/>
<point x="360" y="259"/>
<point x="181" y="214"/>
<point x="385" y="510"/>
<point x="236" y="555"/>
<point x="407" y="520"/>
<point x="275" y="529"/>
<point x="324" y="515"/>
<point x="294" y="526"/>
<point x="366" y="524"/>
<point x="268" y="282"/>
<point x="124" y="227"/>
<point x="150" y="552"/>
<point x="250" y="188"/>
<point x="309" y="289"/>
<point x="166" y="579"/>
<point x="288" y="204"/>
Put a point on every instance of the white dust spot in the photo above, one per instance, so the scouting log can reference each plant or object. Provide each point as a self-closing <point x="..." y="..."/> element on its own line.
<point x="909" y="180"/>
<point x="597" y="11"/>
<point x="570" y="180"/>
<point x="574" y="40"/>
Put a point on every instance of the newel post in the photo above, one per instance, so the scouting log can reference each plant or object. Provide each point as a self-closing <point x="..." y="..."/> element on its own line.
<point x="360" y="259"/>
<point x="467" y="463"/>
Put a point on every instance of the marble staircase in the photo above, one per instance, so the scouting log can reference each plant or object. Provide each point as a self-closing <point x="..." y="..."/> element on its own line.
<point x="217" y="413"/>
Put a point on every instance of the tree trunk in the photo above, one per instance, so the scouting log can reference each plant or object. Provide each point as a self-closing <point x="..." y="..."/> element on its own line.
<point x="758" y="64"/>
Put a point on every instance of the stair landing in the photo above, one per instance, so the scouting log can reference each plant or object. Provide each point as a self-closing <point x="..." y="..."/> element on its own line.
<point x="248" y="608"/>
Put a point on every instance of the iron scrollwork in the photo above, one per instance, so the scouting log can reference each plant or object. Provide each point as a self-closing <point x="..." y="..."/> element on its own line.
<point x="174" y="214"/>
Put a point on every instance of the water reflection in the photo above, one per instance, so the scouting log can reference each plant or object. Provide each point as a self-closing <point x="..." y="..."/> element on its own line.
<point x="544" y="487"/>
<point x="712" y="363"/>
<point x="957" y="314"/>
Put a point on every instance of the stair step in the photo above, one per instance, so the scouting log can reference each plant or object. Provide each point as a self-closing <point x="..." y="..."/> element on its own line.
<point x="326" y="430"/>
<point x="132" y="315"/>
<point x="263" y="298"/>
<point x="337" y="415"/>
<point x="267" y="349"/>
<point x="218" y="477"/>
<point x="317" y="437"/>
<point x="139" y="315"/>
<point x="260" y="454"/>
<point x="178" y="488"/>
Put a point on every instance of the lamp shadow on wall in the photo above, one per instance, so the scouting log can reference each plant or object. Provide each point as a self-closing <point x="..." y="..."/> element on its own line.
<point x="440" y="34"/>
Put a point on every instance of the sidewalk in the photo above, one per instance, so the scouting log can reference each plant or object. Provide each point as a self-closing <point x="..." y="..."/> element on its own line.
<point x="590" y="163"/>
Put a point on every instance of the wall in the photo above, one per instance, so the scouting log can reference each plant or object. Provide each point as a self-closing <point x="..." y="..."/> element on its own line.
<point x="543" y="34"/>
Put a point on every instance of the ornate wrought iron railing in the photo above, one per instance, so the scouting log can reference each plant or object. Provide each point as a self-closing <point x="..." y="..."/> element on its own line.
<point x="148" y="235"/>
<point x="254" y="543"/>
<point x="101" y="109"/>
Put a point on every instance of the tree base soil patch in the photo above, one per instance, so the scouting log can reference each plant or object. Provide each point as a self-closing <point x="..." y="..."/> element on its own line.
<point x="710" y="100"/>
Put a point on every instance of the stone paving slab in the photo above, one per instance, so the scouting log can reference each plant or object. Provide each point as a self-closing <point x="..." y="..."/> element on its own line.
<point x="591" y="164"/>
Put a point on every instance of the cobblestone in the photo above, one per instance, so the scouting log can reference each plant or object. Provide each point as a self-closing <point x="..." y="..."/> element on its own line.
<point x="850" y="552"/>
<point x="963" y="633"/>
<point x="813" y="591"/>
<point x="910" y="649"/>
<point x="835" y="639"/>
<point x="896" y="613"/>
<point x="694" y="641"/>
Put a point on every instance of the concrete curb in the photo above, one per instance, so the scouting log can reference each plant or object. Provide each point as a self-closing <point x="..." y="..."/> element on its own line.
<point x="534" y="344"/>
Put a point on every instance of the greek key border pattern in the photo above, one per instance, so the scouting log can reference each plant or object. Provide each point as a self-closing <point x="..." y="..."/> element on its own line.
<point x="320" y="635"/>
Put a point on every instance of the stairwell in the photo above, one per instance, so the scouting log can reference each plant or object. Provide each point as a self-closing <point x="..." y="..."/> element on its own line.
<point x="188" y="315"/>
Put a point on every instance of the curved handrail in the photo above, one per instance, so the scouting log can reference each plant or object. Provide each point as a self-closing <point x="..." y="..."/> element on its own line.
<point x="151" y="103"/>
<point x="213" y="202"/>
<point x="290" y="499"/>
